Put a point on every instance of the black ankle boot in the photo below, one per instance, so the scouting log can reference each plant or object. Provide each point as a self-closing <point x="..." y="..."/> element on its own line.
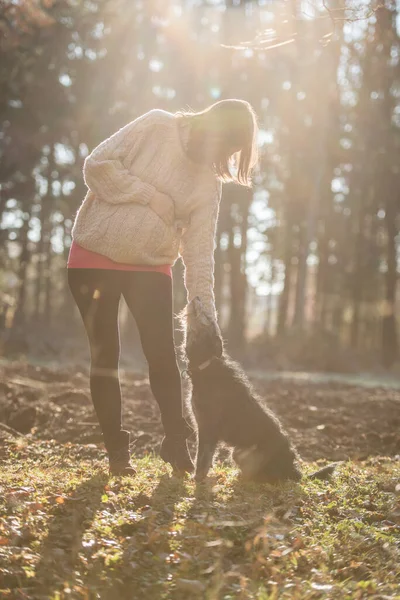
<point x="174" y="450"/>
<point x="120" y="458"/>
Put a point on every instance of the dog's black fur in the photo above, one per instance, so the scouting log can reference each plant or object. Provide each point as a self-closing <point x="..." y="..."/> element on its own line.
<point x="227" y="410"/>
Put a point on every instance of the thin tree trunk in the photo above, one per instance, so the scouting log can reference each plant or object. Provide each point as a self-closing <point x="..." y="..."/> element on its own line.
<point x="284" y="297"/>
<point x="300" y="290"/>
<point x="20" y="316"/>
<point x="235" y="222"/>
<point x="48" y="282"/>
<point x="237" y="289"/>
<point x="322" y="280"/>
<point x="390" y="345"/>
<point x="268" y="314"/>
<point x="243" y="261"/>
<point x="358" y="283"/>
<point x="45" y="233"/>
<point x="308" y="232"/>
<point x="387" y="36"/>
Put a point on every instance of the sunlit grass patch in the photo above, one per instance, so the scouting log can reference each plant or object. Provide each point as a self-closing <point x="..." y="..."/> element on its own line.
<point x="68" y="531"/>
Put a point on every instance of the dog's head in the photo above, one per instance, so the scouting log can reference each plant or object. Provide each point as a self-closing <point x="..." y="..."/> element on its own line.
<point x="203" y="339"/>
<point x="255" y="465"/>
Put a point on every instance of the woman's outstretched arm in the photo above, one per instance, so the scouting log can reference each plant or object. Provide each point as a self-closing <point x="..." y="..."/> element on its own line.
<point x="197" y="250"/>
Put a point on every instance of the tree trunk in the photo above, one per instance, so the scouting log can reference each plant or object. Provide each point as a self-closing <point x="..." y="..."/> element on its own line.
<point x="269" y="307"/>
<point x="300" y="292"/>
<point x="47" y="281"/>
<point x="390" y="347"/>
<point x="358" y="279"/>
<point x="43" y="247"/>
<point x="19" y="317"/>
<point x="386" y="34"/>
<point x="238" y="279"/>
<point x="238" y="293"/>
<point x="320" y="316"/>
<point x="284" y="298"/>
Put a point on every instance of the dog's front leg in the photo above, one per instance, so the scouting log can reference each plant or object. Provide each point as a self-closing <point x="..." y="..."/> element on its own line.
<point x="205" y="452"/>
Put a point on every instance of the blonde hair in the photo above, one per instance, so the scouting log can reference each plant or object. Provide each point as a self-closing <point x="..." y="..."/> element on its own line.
<point x="234" y="122"/>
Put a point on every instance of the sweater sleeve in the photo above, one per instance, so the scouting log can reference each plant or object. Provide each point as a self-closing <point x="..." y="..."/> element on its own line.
<point x="105" y="174"/>
<point x="197" y="251"/>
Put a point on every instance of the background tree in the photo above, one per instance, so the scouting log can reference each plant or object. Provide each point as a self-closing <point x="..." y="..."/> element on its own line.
<point x="312" y="250"/>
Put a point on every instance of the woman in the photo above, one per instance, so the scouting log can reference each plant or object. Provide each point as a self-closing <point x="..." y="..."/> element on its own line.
<point x="154" y="192"/>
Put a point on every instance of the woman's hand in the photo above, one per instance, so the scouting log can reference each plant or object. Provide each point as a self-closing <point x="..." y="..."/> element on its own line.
<point x="164" y="207"/>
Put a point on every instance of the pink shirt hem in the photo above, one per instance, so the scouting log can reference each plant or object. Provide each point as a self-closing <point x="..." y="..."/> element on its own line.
<point x="80" y="258"/>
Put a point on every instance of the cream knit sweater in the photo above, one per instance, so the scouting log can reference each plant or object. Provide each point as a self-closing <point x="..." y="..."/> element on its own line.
<point x="122" y="175"/>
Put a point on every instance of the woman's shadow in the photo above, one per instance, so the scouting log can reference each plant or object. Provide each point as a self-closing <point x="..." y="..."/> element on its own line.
<point x="148" y="542"/>
<point x="71" y="518"/>
<point x="159" y="513"/>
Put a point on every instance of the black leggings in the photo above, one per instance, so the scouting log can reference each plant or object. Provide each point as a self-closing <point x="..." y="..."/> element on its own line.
<point x="97" y="293"/>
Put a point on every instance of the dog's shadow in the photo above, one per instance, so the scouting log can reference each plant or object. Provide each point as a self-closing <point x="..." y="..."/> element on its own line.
<point x="230" y="512"/>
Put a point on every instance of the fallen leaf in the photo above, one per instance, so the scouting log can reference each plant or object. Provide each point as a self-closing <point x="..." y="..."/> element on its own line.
<point x="60" y="500"/>
<point x="34" y="506"/>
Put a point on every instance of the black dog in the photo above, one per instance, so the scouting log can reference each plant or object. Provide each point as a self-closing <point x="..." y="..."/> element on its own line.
<point x="227" y="410"/>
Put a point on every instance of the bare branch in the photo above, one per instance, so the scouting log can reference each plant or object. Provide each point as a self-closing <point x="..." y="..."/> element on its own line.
<point x="268" y="39"/>
<point x="260" y="45"/>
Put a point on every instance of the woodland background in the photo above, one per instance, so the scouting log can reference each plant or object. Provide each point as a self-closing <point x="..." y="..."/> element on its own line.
<point x="307" y="263"/>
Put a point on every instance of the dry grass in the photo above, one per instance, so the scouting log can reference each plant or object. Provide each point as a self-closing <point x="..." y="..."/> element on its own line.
<point x="66" y="531"/>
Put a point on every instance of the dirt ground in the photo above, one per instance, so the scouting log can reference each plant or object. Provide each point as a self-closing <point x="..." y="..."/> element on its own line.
<point x="326" y="421"/>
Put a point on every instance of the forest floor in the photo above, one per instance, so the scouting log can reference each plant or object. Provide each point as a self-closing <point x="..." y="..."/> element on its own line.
<point x="67" y="531"/>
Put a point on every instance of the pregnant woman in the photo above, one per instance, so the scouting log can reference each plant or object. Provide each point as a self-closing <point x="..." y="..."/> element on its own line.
<point x="154" y="189"/>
